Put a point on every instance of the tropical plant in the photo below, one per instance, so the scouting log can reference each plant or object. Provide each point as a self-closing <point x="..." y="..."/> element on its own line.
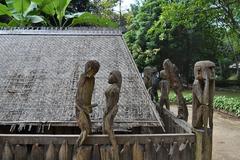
<point x="48" y="13"/>
<point x="20" y="13"/>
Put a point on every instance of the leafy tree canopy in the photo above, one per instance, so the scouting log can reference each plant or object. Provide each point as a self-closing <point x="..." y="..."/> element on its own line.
<point x="184" y="31"/>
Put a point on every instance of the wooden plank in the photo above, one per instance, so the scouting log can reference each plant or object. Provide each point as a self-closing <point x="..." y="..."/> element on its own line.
<point x="7" y="152"/>
<point x="64" y="123"/>
<point x="96" y="152"/>
<point x="84" y="153"/>
<point x="162" y="152"/>
<point x="96" y="139"/>
<point x="174" y="152"/>
<point x="138" y="152"/>
<point x="51" y="152"/>
<point x="106" y="153"/>
<point x="185" y="151"/>
<point x="64" y="152"/>
<point x="149" y="153"/>
<point x="37" y="152"/>
<point x="126" y="152"/>
<point x="20" y="152"/>
<point x="199" y="144"/>
<point x="187" y="127"/>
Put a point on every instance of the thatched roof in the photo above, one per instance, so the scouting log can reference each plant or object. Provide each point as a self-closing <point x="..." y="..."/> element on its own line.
<point x="39" y="71"/>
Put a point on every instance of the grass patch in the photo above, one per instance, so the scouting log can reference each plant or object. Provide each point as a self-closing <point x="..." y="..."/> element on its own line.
<point x="224" y="100"/>
<point x="233" y="77"/>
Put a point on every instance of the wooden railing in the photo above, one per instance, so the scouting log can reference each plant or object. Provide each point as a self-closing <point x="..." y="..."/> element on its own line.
<point x="97" y="147"/>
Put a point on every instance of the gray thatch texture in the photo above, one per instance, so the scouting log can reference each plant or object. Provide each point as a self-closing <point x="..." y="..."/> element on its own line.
<point x="39" y="71"/>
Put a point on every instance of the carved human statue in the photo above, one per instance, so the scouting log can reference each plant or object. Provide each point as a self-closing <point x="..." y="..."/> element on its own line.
<point x="83" y="99"/>
<point x="112" y="97"/>
<point x="154" y="84"/>
<point x="164" y="87"/>
<point x="203" y="93"/>
<point x="147" y="76"/>
<point x="172" y="75"/>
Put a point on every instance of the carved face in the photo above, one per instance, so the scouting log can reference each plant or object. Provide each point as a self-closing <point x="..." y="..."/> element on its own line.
<point x="204" y="70"/>
<point x="91" y="68"/>
<point x="115" y="77"/>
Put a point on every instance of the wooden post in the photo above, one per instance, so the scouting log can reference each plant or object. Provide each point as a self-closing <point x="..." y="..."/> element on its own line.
<point x="20" y="152"/>
<point x="138" y="153"/>
<point x="162" y="152"/>
<point x="174" y="151"/>
<point x="51" y="152"/>
<point x="203" y="149"/>
<point x="96" y="153"/>
<point x="106" y="153"/>
<point x="64" y="153"/>
<point x="150" y="153"/>
<point x="84" y="153"/>
<point x="126" y="153"/>
<point x="7" y="152"/>
<point x="37" y="152"/>
<point x="207" y="142"/>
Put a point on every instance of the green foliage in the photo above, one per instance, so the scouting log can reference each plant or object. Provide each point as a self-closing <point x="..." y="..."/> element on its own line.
<point x="229" y="104"/>
<point x="93" y="20"/>
<point x="49" y="13"/>
<point x="187" y="97"/>
<point x="185" y="32"/>
<point x="20" y="13"/>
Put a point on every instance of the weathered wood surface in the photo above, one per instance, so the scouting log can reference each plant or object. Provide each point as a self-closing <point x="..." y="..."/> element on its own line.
<point x="96" y="139"/>
<point x="21" y="152"/>
<point x="98" y="147"/>
<point x="7" y="153"/>
<point x="126" y="152"/>
<point x="84" y="153"/>
<point x="96" y="152"/>
<point x="171" y="122"/>
<point x="51" y="152"/>
<point x="37" y="152"/>
<point x="64" y="152"/>
<point x="138" y="152"/>
<point x="203" y="144"/>
<point x="144" y="151"/>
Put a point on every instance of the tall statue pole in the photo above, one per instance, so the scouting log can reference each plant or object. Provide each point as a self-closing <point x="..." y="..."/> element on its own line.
<point x="202" y="115"/>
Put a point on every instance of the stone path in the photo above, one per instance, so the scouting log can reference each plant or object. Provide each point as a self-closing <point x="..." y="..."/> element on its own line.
<point x="226" y="135"/>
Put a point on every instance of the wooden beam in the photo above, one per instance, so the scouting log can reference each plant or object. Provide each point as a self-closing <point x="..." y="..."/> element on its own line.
<point x="186" y="126"/>
<point x="95" y="139"/>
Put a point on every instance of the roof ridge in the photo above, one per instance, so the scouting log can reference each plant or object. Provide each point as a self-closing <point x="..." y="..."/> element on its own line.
<point x="59" y="31"/>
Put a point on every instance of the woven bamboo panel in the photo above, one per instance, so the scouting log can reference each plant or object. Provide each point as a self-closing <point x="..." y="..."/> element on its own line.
<point x="39" y="74"/>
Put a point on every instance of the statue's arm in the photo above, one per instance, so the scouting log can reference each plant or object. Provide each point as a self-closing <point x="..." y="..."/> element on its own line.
<point x="92" y="88"/>
<point x="198" y="91"/>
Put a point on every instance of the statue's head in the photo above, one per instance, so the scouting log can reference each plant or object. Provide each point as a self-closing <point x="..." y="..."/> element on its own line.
<point x="91" y="68"/>
<point x="115" y="77"/>
<point x="204" y="70"/>
<point x="154" y="70"/>
<point x="147" y="70"/>
<point x="163" y="74"/>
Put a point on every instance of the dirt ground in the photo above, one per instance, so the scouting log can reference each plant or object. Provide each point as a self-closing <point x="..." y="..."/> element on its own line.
<point x="226" y="135"/>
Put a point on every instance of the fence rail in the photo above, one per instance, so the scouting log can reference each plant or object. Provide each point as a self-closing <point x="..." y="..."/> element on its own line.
<point x="147" y="146"/>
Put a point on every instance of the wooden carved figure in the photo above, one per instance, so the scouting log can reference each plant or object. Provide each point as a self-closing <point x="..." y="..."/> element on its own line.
<point x="154" y="84"/>
<point x="164" y="87"/>
<point x="203" y="93"/>
<point x="112" y="97"/>
<point x="147" y="76"/>
<point x="172" y="75"/>
<point x="83" y="99"/>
